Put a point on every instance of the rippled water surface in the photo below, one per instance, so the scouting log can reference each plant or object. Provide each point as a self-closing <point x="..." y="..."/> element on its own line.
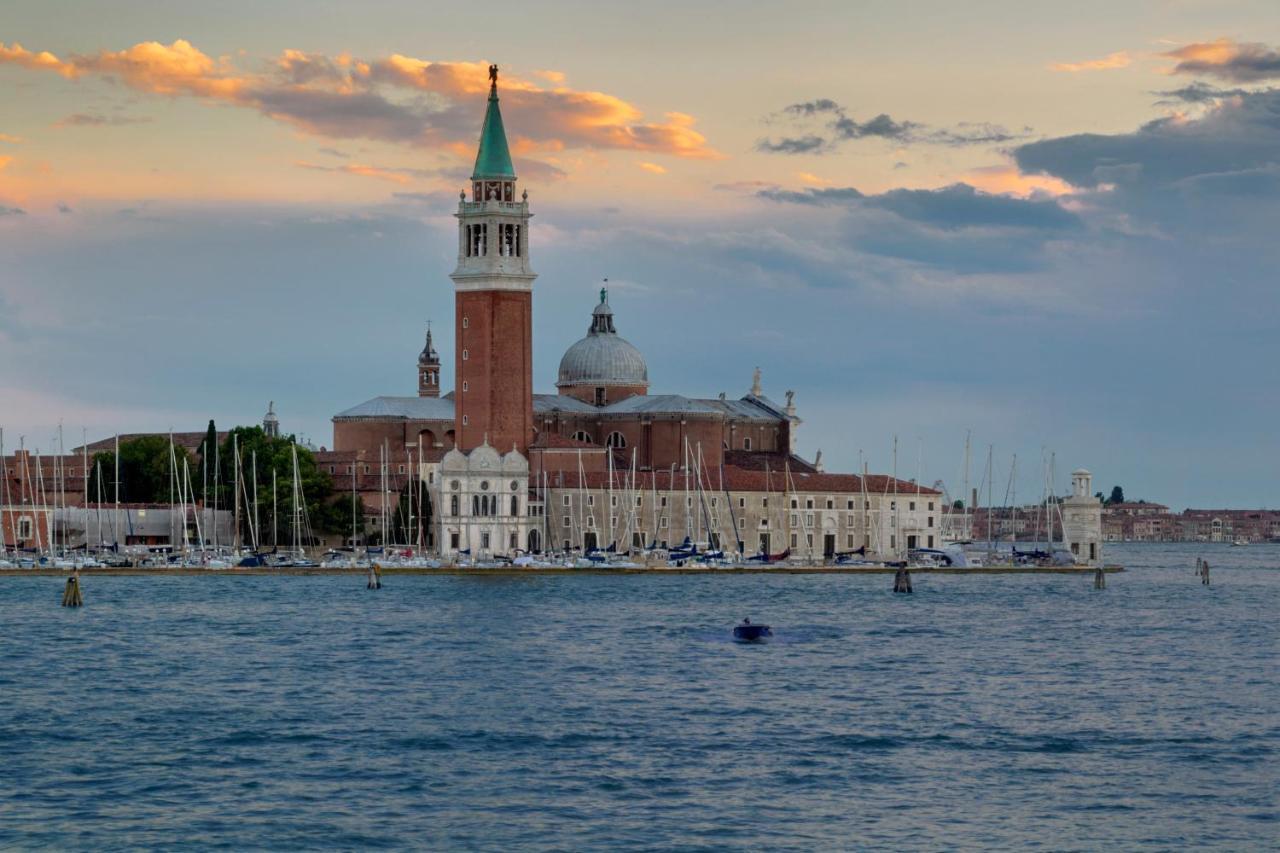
<point x="591" y="711"/>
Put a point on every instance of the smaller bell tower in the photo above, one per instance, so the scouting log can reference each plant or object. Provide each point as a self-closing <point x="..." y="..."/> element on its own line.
<point x="429" y="369"/>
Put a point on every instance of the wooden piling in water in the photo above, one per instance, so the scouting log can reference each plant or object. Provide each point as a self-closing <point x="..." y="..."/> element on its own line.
<point x="71" y="595"/>
<point x="1099" y="579"/>
<point x="375" y="577"/>
<point x="902" y="581"/>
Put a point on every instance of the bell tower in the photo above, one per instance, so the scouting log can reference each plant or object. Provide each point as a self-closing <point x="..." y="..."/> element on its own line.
<point x="429" y="369"/>
<point x="493" y="286"/>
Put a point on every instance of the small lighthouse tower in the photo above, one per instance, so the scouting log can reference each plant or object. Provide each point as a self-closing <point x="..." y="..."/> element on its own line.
<point x="1082" y="520"/>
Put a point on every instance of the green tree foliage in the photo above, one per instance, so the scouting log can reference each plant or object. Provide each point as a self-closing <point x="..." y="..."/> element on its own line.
<point x="1117" y="495"/>
<point x="146" y="470"/>
<point x="957" y="504"/>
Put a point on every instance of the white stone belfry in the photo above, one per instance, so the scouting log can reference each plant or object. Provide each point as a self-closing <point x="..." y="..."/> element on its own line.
<point x="1082" y="520"/>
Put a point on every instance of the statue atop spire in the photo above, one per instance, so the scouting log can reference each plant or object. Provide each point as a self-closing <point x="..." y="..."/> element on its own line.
<point x="493" y="159"/>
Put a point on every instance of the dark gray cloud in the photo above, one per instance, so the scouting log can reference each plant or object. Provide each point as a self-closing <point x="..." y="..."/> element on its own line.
<point x="12" y="211"/>
<point x="819" y="197"/>
<point x="1237" y="135"/>
<point x="1239" y="62"/>
<point x="1198" y="92"/>
<point x="962" y="206"/>
<point x="63" y="207"/>
<point x="333" y="152"/>
<point x="954" y="207"/>
<point x="793" y="145"/>
<point x="840" y="127"/>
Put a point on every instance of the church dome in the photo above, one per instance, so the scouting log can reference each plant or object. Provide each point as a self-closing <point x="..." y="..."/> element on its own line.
<point x="602" y="357"/>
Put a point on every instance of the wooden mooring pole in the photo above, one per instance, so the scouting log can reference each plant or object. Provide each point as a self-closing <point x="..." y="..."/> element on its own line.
<point x="375" y="576"/>
<point x="1099" y="578"/>
<point x="902" y="581"/>
<point x="71" y="595"/>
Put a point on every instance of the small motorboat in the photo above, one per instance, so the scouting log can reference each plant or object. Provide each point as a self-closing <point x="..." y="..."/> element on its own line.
<point x="749" y="633"/>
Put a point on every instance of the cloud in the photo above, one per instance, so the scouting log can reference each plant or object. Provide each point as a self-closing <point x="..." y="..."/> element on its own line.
<point x="1119" y="59"/>
<point x="63" y="207"/>
<point x="840" y="127"/>
<point x="5" y="160"/>
<point x="1236" y="135"/>
<point x="952" y="207"/>
<point x="1198" y="92"/>
<point x="12" y="211"/>
<point x="94" y="120"/>
<point x="333" y="152"/>
<point x="394" y="174"/>
<point x="962" y="206"/>
<point x="13" y="140"/>
<point x="396" y="98"/>
<point x="1227" y="59"/>
<point x="653" y="168"/>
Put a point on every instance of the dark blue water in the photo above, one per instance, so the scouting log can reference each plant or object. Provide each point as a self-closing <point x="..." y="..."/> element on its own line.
<point x="589" y="712"/>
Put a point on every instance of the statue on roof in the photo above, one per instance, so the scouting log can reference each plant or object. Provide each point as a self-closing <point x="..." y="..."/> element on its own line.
<point x="493" y="75"/>
<point x="755" y="383"/>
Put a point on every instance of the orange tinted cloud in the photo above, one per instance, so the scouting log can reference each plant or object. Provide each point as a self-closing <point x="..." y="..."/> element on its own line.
<point x="16" y="54"/>
<point x="347" y="97"/>
<point x="653" y="168"/>
<point x="1240" y="62"/>
<point x="1119" y="59"/>
<point x="1007" y="180"/>
<point x="5" y="160"/>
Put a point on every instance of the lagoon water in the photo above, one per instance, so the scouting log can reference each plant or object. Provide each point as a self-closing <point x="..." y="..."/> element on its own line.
<point x="577" y="712"/>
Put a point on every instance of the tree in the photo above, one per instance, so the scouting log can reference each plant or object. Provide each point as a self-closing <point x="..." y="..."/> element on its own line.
<point x="958" y="504"/>
<point x="146" y="470"/>
<point x="1117" y="495"/>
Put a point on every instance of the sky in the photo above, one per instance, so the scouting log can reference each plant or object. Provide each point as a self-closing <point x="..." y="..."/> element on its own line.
<point x="1048" y="228"/>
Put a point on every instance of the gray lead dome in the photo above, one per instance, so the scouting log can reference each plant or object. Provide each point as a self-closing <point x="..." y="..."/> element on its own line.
<point x="602" y="358"/>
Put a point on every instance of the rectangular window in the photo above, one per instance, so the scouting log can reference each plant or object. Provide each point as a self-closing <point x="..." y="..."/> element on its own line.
<point x="591" y="500"/>
<point x="911" y="507"/>
<point x="639" y="501"/>
<point x="808" y="519"/>
<point x="742" y="503"/>
<point x="484" y="539"/>
<point x="566" y="521"/>
<point x="401" y="470"/>
<point x="613" y="500"/>
<point x="663" y="501"/>
<point x="662" y="523"/>
<point x="809" y="539"/>
<point x="808" y="504"/>
<point x="566" y="500"/>
<point x="465" y="386"/>
<point x="764" y="502"/>
<point x="24" y="528"/>
<point x="850" y="506"/>
<point x="831" y="504"/>
<point x="591" y="521"/>
<point x="893" y="541"/>
<point x="742" y="523"/>
<point x="713" y="501"/>
<point x="849" y="541"/>
<point x="930" y="506"/>
<point x="613" y="522"/>
<point x="930" y="524"/>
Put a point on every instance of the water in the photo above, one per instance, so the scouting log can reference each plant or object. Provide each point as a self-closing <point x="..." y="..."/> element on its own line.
<point x="576" y="712"/>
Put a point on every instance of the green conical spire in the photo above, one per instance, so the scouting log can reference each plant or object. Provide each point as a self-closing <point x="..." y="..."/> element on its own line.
<point x="493" y="160"/>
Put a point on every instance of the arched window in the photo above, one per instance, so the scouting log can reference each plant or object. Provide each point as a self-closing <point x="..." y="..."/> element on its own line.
<point x="453" y="505"/>
<point x="475" y="504"/>
<point x="582" y="435"/>
<point x="535" y="541"/>
<point x="515" y="505"/>
<point x="617" y="440"/>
